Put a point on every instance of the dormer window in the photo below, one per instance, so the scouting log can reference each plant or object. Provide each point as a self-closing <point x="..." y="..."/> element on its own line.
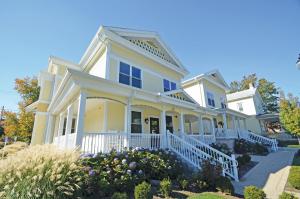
<point x="169" y="86"/>
<point x="130" y="75"/>
<point x="210" y="99"/>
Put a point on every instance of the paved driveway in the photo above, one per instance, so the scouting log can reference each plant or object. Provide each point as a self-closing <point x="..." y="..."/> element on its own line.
<point x="270" y="173"/>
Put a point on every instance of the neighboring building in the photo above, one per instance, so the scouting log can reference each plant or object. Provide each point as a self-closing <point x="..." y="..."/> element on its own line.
<point x="209" y="90"/>
<point x="126" y="92"/>
<point x="250" y="103"/>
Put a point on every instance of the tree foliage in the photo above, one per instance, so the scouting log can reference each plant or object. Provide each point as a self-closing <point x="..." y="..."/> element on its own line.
<point x="266" y="89"/>
<point x="290" y="114"/>
<point x="21" y="124"/>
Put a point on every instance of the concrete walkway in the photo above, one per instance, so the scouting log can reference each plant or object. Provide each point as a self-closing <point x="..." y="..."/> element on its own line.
<point x="270" y="173"/>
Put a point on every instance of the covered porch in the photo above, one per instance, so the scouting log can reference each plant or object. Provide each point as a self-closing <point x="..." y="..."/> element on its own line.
<point x="99" y="119"/>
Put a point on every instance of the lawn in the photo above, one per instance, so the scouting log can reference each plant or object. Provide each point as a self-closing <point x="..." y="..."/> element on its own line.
<point x="209" y="195"/>
<point x="294" y="170"/>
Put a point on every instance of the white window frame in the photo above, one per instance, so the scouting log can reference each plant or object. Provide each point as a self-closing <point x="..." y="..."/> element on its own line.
<point x="169" y="84"/>
<point x="208" y="94"/>
<point x="130" y="74"/>
<point x="240" y="106"/>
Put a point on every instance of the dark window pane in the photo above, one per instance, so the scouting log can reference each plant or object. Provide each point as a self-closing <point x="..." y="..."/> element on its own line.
<point x="173" y="86"/>
<point x="124" y="79"/>
<point x="166" y="83"/>
<point x="64" y="126"/>
<point x="73" y="125"/>
<point x="124" y="68"/>
<point x="136" y="73"/>
<point x="136" y="128"/>
<point x="136" y="117"/>
<point x="213" y="103"/>
<point x="209" y="102"/>
<point x="136" y="83"/>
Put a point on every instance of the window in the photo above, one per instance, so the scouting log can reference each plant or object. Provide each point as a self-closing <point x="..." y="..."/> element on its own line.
<point x="240" y="107"/>
<point x="136" y="122"/>
<point x="223" y="104"/>
<point x="169" y="86"/>
<point x="64" y="126"/>
<point x="210" y="99"/>
<point x="73" y="125"/>
<point x="130" y="75"/>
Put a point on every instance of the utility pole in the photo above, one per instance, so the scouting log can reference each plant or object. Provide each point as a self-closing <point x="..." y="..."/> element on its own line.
<point x="2" y="114"/>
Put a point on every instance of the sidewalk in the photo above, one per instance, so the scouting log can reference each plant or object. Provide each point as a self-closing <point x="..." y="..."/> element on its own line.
<point x="270" y="173"/>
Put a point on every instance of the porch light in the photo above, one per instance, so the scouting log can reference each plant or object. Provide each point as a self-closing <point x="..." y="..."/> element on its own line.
<point x="146" y="120"/>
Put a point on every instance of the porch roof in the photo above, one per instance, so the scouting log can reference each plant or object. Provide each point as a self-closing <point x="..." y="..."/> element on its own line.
<point x="232" y="112"/>
<point x="75" y="80"/>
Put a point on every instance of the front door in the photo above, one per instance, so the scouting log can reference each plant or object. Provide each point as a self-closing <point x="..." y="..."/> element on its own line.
<point x="154" y="125"/>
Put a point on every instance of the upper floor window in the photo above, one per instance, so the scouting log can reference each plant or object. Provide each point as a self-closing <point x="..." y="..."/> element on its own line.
<point x="240" y="106"/>
<point x="169" y="86"/>
<point x="130" y="75"/>
<point x="211" y="99"/>
<point x="223" y="103"/>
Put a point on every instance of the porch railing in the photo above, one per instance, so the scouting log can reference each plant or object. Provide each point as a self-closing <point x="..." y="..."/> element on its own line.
<point x="207" y="139"/>
<point x="195" y="151"/>
<point x="226" y="133"/>
<point x="105" y="142"/>
<point x="252" y="137"/>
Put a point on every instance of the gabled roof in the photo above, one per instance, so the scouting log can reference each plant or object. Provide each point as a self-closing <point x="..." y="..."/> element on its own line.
<point x="249" y="93"/>
<point x="147" y="43"/>
<point x="213" y="76"/>
<point x="180" y="94"/>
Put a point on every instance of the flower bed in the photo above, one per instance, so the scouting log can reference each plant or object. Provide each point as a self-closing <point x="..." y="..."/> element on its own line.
<point x="121" y="172"/>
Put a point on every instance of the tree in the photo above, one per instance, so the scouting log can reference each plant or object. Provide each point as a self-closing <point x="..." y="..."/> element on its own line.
<point x="21" y="124"/>
<point x="268" y="91"/>
<point x="28" y="89"/>
<point x="289" y="115"/>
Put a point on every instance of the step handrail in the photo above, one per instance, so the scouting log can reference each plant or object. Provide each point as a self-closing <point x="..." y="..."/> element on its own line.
<point x="229" y="164"/>
<point x="253" y="137"/>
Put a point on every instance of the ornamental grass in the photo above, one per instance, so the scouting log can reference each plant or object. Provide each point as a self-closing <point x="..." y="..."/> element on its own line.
<point x="41" y="172"/>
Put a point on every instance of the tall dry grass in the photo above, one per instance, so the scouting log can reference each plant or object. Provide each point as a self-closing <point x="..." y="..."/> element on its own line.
<point x="41" y="172"/>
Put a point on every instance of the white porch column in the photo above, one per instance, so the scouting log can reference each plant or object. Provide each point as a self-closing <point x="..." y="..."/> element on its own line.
<point x="105" y="106"/>
<point x="245" y="124"/>
<point x="224" y="121"/>
<point x="127" y="123"/>
<point x="49" y="130"/>
<point x="201" y="129"/>
<point x="163" y="128"/>
<point x="233" y="122"/>
<point x="69" y="123"/>
<point x="181" y="123"/>
<point x="80" y="118"/>
<point x="60" y="127"/>
<point x="213" y="129"/>
<point x="239" y="124"/>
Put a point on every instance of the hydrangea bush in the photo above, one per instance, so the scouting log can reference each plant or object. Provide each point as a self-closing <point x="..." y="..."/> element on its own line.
<point x="121" y="171"/>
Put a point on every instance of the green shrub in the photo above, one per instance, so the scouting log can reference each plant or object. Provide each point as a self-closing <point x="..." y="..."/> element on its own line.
<point x="243" y="160"/>
<point x="184" y="184"/>
<point x="252" y="192"/>
<point x="118" y="195"/>
<point x="285" y="143"/>
<point x="122" y="171"/>
<point x="242" y="146"/>
<point x="294" y="177"/>
<point x="210" y="172"/>
<point x="224" y="185"/>
<point x="286" y="195"/>
<point x="41" y="172"/>
<point x="143" y="191"/>
<point x="166" y="187"/>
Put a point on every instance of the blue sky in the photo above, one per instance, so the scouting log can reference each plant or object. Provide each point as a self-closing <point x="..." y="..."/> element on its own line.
<point x="237" y="37"/>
